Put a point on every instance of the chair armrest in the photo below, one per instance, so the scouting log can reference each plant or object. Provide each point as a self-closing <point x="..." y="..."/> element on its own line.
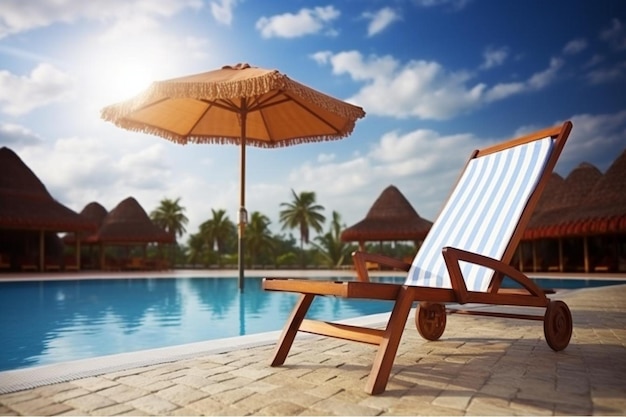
<point x="453" y="256"/>
<point x="360" y="259"/>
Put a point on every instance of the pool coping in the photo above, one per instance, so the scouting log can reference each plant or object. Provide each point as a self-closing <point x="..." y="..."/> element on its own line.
<point x="256" y="273"/>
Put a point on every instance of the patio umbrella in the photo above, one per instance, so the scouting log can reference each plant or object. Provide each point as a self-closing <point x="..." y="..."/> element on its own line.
<point x="241" y="105"/>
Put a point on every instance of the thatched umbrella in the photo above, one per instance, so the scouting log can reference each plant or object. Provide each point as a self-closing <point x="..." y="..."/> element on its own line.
<point x="128" y="224"/>
<point x="26" y="204"/>
<point x="390" y="218"/>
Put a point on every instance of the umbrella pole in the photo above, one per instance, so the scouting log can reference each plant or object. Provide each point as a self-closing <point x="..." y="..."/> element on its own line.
<point x="243" y="216"/>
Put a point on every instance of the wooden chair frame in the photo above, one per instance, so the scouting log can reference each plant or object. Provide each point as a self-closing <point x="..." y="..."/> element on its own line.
<point x="431" y="313"/>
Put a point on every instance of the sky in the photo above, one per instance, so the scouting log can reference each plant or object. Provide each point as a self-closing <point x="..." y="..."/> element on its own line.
<point x="436" y="78"/>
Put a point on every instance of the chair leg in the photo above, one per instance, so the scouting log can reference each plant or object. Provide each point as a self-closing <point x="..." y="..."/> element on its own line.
<point x="291" y="329"/>
<point x="381" y="369"/>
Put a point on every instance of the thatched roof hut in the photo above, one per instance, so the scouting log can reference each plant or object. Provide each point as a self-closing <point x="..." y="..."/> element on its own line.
<point x="26" y="204"/>
<point x="391" y="218"/>
<point x="129" y="224"/>
<point x="549" y="200"/>
<point x="603" y="208"/>
<point x="96" y="213"/>
<point x="563" y="201"/>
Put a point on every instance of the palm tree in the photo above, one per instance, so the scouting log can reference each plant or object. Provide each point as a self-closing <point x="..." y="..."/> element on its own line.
<point x="258" y="236"/>
<point x="302" y="213"/>
<point x="218" y="231"/>
<point x="170" y="216"/>
<point x="197" y="249"/>
<point x="330" y="245"/>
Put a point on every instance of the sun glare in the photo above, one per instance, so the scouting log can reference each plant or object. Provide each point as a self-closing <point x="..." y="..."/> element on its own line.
<point x="125" y="79"/>
<point x="122" y="77"/>
<point x="120" y="70"/>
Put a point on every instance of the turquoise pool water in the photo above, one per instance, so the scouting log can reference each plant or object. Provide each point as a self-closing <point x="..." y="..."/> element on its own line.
<point x="44" y="322"/>
<point x="48" y="322"/>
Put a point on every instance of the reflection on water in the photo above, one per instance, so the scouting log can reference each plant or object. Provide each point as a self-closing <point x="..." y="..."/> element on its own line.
<point x="54" y="321"/>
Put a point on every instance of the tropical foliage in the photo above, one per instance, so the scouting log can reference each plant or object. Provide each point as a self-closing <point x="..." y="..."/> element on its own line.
<point x="258" y="239"/>
<point x="215" y="241"/>
<point x="331" y="250"/>
<point x="170" y="216"/>
<point x="304" y="214"/>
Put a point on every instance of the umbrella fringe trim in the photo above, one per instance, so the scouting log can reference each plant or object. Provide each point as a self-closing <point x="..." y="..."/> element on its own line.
<point x="183" y="140"/>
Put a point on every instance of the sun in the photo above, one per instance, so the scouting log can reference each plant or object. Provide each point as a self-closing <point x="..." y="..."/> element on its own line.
<point x="127" y="79"/>
<point x="122" y="76"/>
<point x="118" y="70"/>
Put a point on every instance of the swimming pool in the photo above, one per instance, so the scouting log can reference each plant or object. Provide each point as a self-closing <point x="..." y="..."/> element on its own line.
<point x="45" y="322"/>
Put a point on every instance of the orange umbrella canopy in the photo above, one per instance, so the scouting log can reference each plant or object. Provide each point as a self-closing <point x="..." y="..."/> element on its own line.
<point x="391" y="217"/>
<point x="128" y="223"/>
<point x="26" y="204"/>
<point x="212" y="107"/>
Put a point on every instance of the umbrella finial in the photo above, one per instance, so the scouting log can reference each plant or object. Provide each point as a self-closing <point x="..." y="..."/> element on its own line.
<point x="239" y="66"/>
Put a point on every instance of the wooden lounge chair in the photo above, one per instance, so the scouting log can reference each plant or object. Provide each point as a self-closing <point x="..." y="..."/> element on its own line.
<point x="464" y="259"/>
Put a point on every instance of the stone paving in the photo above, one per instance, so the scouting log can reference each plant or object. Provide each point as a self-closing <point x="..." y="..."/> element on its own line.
<point x="481" y="366"/>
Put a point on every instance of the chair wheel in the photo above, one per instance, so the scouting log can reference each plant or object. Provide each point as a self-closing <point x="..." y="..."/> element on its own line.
<point x="430" y="320"/>
<point x="557" y="325"/>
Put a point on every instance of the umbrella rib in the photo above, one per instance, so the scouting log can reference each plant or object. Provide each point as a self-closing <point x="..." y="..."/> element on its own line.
<point x="200" y="118"/>
<point x="230" y="106"/>
<point x="337" y="130"/>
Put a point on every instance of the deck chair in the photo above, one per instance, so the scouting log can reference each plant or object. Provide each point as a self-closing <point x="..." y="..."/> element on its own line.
<point x="464" y="259"/>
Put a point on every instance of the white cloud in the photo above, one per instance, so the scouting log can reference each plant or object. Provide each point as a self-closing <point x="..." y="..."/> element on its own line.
<point x="322" y="57"/>
<point x="421" y="89"/>
<point x="537" y="81"/>
<point x="607" y="75"/>
<point x="305" y="22"/>
<point x="16" y="136"/>
<point x="494" y="57"/>
<point x="543" y="78"/>
<point x="615" y="35"/>
<point x="455" y="5"/>
<point x="597" y="138"/>
<point x="19" y="16"/>
<point x="44" y="85"/>
<point x="425" y="89"/>
<point x="380" y="20"/>
<point x="222" y="11"/>
<point x="594" y="60"/>
<point x="575" y="46"/>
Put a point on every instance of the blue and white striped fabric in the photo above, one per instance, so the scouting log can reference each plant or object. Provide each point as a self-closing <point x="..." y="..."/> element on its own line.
<point x="481" y="214"/>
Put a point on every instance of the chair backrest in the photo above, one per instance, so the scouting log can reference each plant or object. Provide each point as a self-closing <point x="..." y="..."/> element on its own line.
<point x="483" y="211"/>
